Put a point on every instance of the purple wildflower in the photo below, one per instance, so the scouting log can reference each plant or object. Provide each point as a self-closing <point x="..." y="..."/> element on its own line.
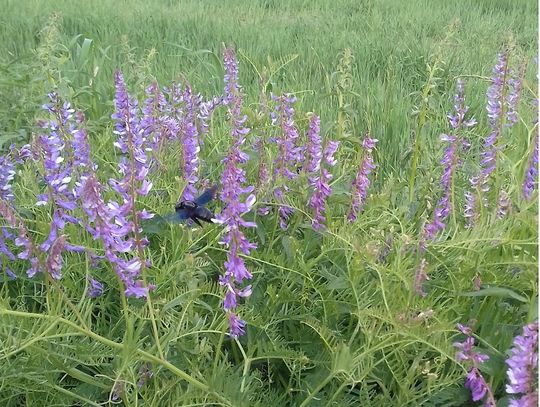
<point x="420" y="277"/>
<point x="22" y="240"/>
<point x="7" y="174"/>
<point x="504" y="205"/>
<point x="495" y="107"/>
<point x="361" y="182"/>
<point x="289" y="155"/>
<point x="190" y="144"/>
<point x="95" y="288"/>
<point x="449" y="162"/>
<point x="523" y="364"/>
<point x="205" y="112"/>
<point x="104" y="224"/>
<point x="531" y="176"/>
<point x="232" y="181"/>
<point x="474" y="381"/>
<point x="236" y="325"/>
<point x="515" y="85"/>
<point x="319" y="177"/>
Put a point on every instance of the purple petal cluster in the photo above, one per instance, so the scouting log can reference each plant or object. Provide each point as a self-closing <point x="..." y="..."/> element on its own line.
<point x="289" y="154"/>
<point x="361" y="182"/>
<point x="504" y="205"/>
<point x="531" y="176"/>
<point x="495" y="108"/>
<point x="319" y="177"/>
<point x="190" y="143"/>
<point x="515" y="86"/>
<point x="113" y="230"/>
<point x="233" y="182"/>
<point x="523" y="367"/>
<point x="95" y="288"/>
<point x="450" y="161"/>
<point x="22" y="240"/>
<point x="117" y="224"/>
<point x="474" y="381"/>
<point x="206" y="109"/>
<point x="63" y="149"/>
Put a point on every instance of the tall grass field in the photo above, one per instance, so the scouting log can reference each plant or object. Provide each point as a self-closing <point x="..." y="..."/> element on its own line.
<point x="269" y="203"/>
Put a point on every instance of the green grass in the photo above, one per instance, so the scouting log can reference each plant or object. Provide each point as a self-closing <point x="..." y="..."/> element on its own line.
<point x="329" y="323"/>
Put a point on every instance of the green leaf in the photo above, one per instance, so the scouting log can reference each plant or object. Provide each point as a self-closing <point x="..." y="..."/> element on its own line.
<point x="495" y="292"/>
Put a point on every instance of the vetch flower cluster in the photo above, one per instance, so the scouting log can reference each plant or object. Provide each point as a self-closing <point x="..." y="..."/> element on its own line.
<point x="523" y="368"/>
<point x="361" y="182"/>
<point x="233" y="182"/>
<point x="319" y="177"/>
<point x="475" y="382"/>
<point x="531" y="175"/>
<point x="289" y="154"/>
<point x="450" y="161"/>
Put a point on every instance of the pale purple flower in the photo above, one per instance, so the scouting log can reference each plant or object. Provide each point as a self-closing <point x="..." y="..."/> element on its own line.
<point x="531" y="176"/>
<point x="474" y="381"/>
<point x="206" y="109"/>
<point x="471" y="212"/>
<point x="515" y="86"/>
<point x="523" y="368"/>
<point x="450" y="162"/>
<point x="319" y="177"/>
<point x="289" y="154"/>
<point x="420" y="277"/>
<point x="495" y="107"/>
<point x="236" y="325"/>
<point x="504" y="205"/>
<point x="233" y="186"/>
<point x="361" y="182"/>
<point x="7" y="174"/>
<point x="190" y="144"/>
<point x="95" y="288"/>
<point x="22" y="240"/>
<point x="145" y="374"/>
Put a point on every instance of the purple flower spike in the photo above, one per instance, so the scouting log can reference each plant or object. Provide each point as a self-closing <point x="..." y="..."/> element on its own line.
<point x="450" y="162"/>
<point x="289" y="154"/>
<point x="474" y="381"/>
<point x="361" y="182"/>
<point x="522" y="367"/>
<point x="495" y="107"/>
<point x="319" y="177"/>
<point x="95" y="288"/>
<point x="531" y="176"/>
<point x="233" y="182"/>
<point x="190" y="143"/>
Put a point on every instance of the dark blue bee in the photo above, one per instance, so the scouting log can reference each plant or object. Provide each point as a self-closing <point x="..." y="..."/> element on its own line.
<point x="195" y="210"/>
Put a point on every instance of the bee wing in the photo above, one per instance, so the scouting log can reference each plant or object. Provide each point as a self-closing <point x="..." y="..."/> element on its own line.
<point x="177" y="217"/>
<point x="207" y="196"/>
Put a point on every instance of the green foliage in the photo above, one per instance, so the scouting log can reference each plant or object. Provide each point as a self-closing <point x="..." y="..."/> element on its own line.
<point x="333" y="320"/>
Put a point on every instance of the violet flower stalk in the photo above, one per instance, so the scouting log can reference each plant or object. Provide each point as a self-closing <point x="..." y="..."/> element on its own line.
<point x="22" y="240"/>
<point x="134" y="145"/>
<point x="475" y="382"/>
<point x="319" y="177"/>
<point x="450" y="162"/>
<point x="232" y="181"/>
<point x="361" y="182"/>
<point x="523" y="368"/>
<point x="531" y="176"/>
<point x="63" y="149"/>
<point x="190" y="144"/>
<point x="289" y="155"/>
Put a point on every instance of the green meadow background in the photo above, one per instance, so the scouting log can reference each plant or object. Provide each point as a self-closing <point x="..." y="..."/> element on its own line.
<point x="329" y="322"/>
